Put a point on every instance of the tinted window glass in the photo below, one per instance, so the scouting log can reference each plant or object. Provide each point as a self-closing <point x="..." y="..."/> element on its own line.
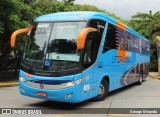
<point x="110" y="41"/>
<point x="93" y="41"/>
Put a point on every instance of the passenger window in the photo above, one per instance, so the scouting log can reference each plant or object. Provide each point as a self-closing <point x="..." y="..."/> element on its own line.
<point x="124" y="40"/>
<point x="110" y="41"/>
<point x="129" y="46"/>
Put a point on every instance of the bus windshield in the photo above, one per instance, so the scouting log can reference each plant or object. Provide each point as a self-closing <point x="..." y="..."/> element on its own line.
<point x="53" y="46"/>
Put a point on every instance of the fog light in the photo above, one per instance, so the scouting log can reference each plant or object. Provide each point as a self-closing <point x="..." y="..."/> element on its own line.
<point x="22" y="79"/>
<point x="68" y="95"/>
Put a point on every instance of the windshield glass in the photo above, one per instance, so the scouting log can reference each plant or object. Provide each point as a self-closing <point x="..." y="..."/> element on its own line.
<point x="53" y="46"/>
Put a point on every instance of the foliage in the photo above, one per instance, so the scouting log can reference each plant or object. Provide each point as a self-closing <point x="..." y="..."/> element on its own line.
<point x="14" y="14"/>
<point x="17" y="14"/>
<point x="50" y="6"/>
<point x="148" y="25"/>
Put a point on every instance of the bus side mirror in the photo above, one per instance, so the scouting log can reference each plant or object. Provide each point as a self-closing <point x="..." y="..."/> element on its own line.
<point x="14" y="34"/>
<point x="82" y="37"/>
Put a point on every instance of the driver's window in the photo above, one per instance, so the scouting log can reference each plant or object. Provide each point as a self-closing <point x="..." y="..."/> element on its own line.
<point x="90" y="49"/>
<point x="88" y="52"/>
<point x="93" y="41"/>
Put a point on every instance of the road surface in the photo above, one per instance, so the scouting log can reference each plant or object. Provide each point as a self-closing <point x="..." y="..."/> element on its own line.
<point x="146" y="95"/>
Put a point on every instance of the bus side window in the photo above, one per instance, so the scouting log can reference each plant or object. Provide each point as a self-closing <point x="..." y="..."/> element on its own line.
<point x="110" y="41"/>
<point x="129" y="37"/>
<point x="93" y="41"/>
<point x="89" y="49"/>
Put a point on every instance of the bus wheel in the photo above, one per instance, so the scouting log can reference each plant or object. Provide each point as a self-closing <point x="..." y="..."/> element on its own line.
<point x="103" y="91"/>
<point x="140" y="79"/>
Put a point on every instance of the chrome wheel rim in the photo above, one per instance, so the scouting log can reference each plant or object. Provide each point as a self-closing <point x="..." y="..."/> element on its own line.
<point x="101" y="90"/>
<point x="140" y="78"/>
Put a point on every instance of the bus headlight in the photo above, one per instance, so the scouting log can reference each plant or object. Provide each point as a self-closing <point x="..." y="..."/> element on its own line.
<point x="72" y="83"/>
<point x="22" y="79"/>
<point x="69" y="84"/>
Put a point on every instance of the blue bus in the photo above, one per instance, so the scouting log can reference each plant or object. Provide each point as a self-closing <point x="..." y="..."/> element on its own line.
<point x="75" y="56"/>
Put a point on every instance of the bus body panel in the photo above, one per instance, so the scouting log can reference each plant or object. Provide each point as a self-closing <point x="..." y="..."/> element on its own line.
<point x="107" y="65"/>
<point x="56" y="95"/>
<point x="85" y="90"/>
<point x="122" y="74"/>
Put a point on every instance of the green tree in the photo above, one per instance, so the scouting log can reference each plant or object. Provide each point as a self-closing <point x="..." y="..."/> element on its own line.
<point x="9" y="22"/>
<point x="14" y="14"/>
<point x="17" y="14"/>
<point x="50" y="6"/>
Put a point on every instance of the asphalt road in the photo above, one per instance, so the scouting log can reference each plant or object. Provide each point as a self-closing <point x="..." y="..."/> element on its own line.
<point x="146" y="95"/>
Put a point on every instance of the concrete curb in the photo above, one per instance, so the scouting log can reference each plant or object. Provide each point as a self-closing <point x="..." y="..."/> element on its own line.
<point x="9" y="84"/>
<point x="122" y="115"/>
<point x="153" y="75"/>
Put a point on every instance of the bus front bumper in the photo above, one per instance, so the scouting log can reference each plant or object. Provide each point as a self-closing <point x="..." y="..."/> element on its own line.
<point x="71" y="94"/>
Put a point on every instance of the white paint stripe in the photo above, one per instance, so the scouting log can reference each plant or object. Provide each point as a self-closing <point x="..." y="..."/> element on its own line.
<point x="127" y="75"/>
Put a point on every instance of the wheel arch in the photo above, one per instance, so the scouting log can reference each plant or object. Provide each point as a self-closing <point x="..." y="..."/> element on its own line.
<point x="106" y="77"/>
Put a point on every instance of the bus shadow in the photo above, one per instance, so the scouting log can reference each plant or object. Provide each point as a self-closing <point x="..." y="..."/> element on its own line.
<point x="58" y="105"/>
<point x="123" y="89"/>
<point x="47" y="104"/>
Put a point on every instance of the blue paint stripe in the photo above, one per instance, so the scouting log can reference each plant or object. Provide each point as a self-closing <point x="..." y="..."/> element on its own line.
<point x="50" y="82"/>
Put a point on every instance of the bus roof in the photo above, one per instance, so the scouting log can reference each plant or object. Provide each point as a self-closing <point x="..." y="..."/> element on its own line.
<point x="76" y="15"/>
<point x="83" y="15"/>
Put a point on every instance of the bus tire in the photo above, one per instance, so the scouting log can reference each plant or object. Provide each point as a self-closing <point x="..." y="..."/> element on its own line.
<point x="103" y="91"/>
<point x="140" y="79"/>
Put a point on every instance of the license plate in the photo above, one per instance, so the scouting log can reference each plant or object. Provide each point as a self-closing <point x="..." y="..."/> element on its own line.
<point x="44" y="94"/>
